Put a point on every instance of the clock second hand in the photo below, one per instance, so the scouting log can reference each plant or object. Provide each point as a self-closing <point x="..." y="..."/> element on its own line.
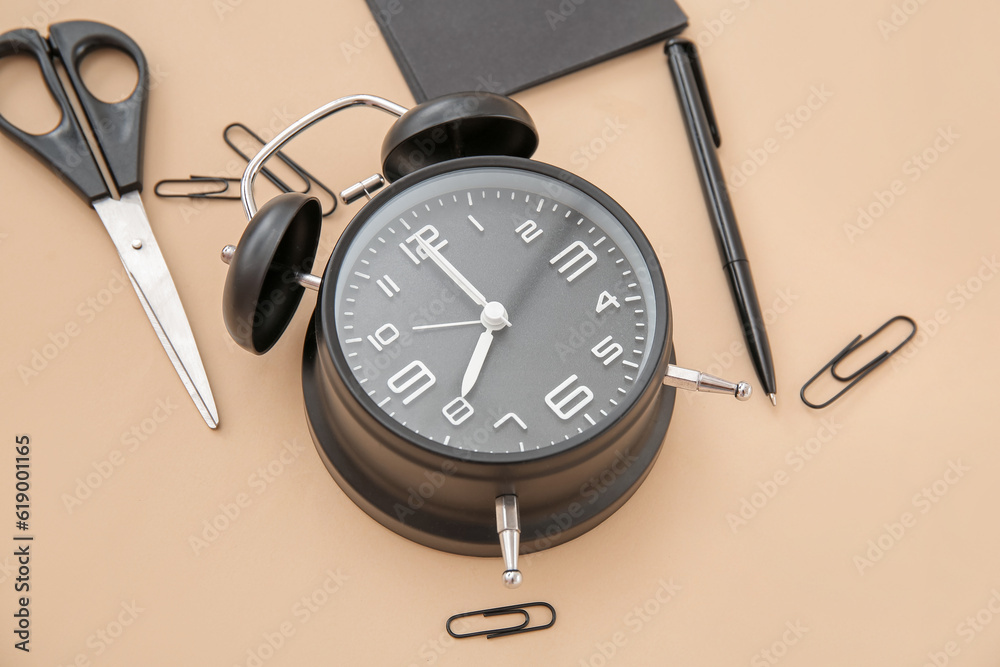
<point x="421" y="327"/>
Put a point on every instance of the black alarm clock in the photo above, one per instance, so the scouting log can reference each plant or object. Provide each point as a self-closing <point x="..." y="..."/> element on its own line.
<point x="488" y="368"/>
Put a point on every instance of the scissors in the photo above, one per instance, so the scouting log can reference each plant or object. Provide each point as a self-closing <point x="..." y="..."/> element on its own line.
<point x="118" y="130"/>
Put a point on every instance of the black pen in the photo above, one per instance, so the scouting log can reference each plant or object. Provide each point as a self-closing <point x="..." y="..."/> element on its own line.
<point x="692" y="92"/>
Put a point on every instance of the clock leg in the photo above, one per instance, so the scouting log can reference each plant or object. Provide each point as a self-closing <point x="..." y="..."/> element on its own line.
<point x="509" y="530"/>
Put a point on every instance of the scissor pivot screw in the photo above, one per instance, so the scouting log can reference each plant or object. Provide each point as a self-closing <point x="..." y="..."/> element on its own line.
<point x="137" y="243"/>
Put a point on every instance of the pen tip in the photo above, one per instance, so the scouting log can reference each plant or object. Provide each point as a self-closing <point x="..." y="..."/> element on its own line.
<point x="774" y="399"/>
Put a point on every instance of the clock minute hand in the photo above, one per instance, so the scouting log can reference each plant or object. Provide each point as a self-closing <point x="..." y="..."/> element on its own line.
<point x="435" y="255"/>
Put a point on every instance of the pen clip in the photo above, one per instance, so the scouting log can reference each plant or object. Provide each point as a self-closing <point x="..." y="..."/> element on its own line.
<point x="691" y="51"/>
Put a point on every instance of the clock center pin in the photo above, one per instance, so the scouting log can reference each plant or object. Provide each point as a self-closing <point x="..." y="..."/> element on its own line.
<point x="494" y="316"/>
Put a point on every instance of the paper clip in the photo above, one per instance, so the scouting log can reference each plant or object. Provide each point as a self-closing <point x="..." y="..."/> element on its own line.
<point x="223" y="184"/>
<point x="502" y="611"/>
<point x="219" y="193"/>
<point x="859" y="374"/>
<point x="306" y="177"/>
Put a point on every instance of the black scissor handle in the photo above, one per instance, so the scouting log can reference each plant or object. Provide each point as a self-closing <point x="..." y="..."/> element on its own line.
<point x="118" y="126"/>
<point x="64" y="149"/>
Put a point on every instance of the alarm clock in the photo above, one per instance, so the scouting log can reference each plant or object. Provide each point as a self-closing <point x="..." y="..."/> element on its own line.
<point x="489" y="365"/>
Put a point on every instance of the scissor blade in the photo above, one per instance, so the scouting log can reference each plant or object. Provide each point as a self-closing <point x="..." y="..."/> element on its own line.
<point x="127" y="224"/>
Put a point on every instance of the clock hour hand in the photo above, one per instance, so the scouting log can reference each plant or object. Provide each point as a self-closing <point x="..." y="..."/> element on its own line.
<point x="494" y="318"/>
<point x="476" y="363"/>
<point x="449" y="269"/>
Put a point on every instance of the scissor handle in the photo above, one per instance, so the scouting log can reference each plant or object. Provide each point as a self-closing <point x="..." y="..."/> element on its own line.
<point x="64" y="149"/>
<point x="118" y="126"/>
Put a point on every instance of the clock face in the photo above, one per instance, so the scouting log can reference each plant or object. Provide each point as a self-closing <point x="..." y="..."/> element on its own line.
<point x="496" y="309"/>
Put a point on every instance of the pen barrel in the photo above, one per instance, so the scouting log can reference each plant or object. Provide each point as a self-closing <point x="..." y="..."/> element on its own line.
<point x="699" y="131"/>
<point x="751" y="320"/>
<point x="727" y="232"/>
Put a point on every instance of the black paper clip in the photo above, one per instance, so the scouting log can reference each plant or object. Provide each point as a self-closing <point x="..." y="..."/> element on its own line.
<point x="307" y="178"/>
<point x="521" y="628"/>
<point x="223" y="185"/>
<point x="859" y="374"/>
<point x="221" y="191"/>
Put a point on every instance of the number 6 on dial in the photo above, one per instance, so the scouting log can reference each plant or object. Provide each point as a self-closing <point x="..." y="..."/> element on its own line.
<point x="558" y="408"/>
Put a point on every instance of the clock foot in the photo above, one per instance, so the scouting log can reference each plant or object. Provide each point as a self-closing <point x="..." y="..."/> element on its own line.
<point x="509" y="530"/>
<point x="692" y="380"/>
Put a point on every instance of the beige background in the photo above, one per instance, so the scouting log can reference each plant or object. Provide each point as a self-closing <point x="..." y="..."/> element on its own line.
<point x="792" y="564"/>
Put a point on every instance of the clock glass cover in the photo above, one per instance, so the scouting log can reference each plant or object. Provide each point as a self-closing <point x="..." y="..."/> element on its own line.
<point x="496" y="311"/>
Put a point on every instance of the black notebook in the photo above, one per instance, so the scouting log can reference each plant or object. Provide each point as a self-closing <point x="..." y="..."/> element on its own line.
<point x="502" y="46"/>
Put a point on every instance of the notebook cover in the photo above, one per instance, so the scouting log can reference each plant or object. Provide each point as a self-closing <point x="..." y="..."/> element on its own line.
<point x="502" y="46"/>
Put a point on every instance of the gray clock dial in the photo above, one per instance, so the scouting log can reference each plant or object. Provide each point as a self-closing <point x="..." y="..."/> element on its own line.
<point x="494" y="309"/>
